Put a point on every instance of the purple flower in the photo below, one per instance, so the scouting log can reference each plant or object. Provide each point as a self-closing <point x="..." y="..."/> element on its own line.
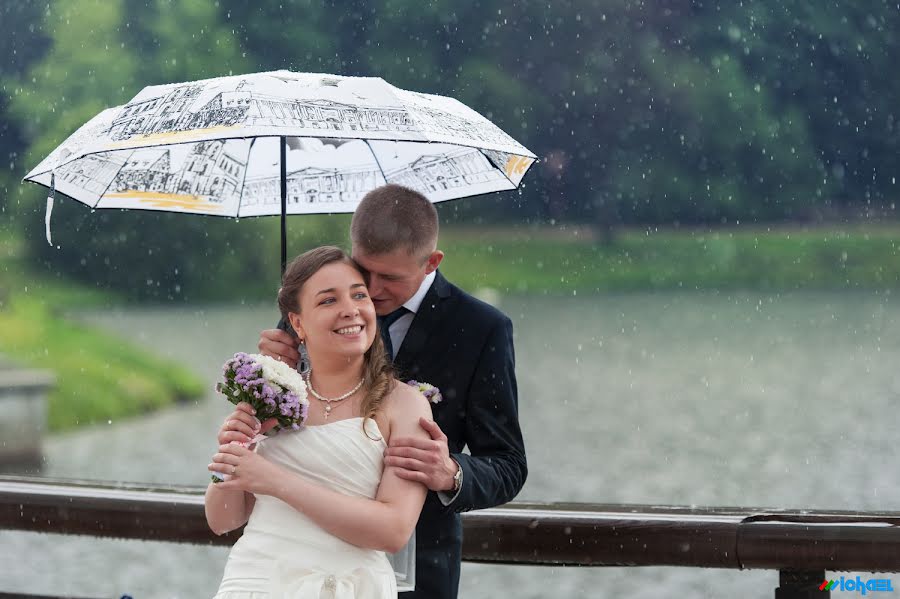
<point x="244" y="381"/>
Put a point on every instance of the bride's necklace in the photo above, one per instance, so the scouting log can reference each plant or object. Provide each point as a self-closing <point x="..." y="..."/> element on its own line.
<point x="328" y="400"/>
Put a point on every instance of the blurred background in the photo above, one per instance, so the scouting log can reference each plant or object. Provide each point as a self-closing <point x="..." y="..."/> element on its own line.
<point x="702" y="267"/>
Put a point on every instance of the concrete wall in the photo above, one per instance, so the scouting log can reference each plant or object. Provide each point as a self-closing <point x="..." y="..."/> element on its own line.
<point x="23" y="416"/>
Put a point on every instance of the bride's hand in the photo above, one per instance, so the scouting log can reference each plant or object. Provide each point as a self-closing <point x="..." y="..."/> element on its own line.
<point x="249" y="471"/>
<point x="241" y="425"/>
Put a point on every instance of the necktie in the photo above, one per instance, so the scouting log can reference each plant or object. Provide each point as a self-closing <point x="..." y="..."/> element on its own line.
<point x="384" y="325"/>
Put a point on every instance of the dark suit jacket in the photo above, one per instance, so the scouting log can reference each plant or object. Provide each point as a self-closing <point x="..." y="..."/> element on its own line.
<point x="463" y="347"/>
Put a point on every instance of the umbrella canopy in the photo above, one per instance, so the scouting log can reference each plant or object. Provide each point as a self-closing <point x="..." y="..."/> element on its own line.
<point x="227" y="146"/>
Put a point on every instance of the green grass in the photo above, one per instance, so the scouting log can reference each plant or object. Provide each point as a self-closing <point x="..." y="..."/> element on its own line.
<point x="99" y="377"/>
<point x="783" y="259"/>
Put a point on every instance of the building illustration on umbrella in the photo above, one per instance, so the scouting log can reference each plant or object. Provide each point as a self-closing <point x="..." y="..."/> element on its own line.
<point x="177" y="111"/>
<point x="312" y="185"/>
<point x="189" y="107"/>
<point x="208" y="171"/>
<point x="441" y="172"/>
<point x="189" y="174"/>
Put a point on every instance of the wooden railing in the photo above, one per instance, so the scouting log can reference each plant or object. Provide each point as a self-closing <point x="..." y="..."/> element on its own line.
<point x="801" y="545"/>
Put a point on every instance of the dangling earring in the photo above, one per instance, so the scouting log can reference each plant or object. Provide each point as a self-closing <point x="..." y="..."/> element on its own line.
<point x="304" y="366"/>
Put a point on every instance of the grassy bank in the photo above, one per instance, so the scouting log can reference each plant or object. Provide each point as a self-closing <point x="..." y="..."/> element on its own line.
<point x="567" y="260"/>
<point x="562" y="260"/>
<point x="101" y="377"/>
<point x="98" y="377"/>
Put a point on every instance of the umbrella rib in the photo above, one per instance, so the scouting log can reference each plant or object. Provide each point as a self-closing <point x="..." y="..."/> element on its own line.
<point x="377" y="162"/>
<point x="244" y="179"/>
<point x="113" y="180"/>
<point x="502" y="170"/>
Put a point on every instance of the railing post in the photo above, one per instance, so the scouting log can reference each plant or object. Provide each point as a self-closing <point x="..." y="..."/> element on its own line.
<point x="801" y="584"/>
<point x="23" y="403"/>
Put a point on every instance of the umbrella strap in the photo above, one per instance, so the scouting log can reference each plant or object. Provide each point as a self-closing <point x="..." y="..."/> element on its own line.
<point x="50" y="198"/>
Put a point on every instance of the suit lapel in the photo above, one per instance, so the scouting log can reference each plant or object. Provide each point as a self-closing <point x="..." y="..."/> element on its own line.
<point x="424" y="323"/>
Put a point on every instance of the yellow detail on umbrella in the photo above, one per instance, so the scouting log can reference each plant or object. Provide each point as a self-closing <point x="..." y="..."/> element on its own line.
<point x="516" y="165"/>
<point x="156" y="199"/>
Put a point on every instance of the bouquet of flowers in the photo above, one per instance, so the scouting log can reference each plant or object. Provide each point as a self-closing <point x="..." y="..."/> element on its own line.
<point x="272" y="388"/>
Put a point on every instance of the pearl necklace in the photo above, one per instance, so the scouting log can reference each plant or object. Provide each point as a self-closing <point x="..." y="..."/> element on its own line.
<point x="328" y="400"/>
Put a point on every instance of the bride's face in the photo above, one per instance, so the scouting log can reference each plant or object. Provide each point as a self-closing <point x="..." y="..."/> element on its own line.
<point x="336" y="314"/>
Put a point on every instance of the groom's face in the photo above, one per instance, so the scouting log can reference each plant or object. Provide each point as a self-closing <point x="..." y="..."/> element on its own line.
<point x="394" y="277"/>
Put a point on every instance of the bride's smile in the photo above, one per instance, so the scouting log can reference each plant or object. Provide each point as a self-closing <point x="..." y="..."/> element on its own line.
<point x="352" y="332"/>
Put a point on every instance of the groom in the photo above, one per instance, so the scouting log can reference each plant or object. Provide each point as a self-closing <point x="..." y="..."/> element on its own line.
<point x="437" y="334"/>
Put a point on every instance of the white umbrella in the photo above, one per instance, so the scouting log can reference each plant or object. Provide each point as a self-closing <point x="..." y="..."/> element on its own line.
<point x="279" y="143"/>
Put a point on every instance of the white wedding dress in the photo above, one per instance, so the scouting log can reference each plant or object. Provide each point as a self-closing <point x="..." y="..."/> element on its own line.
<point x="285" y="555"/>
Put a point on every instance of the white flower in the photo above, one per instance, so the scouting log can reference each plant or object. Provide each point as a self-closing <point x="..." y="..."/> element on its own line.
<point x="281" y="374"/>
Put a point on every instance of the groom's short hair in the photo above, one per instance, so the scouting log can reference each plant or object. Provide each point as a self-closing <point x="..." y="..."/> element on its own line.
<point x="391" y="217"/>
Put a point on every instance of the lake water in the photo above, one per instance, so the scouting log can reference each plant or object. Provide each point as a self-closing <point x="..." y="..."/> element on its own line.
<point x="697" y="399"/>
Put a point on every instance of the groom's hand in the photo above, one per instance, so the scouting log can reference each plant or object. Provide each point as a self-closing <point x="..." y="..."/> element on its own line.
<point x="427" y="462"/>
<point x="280" y="345"/>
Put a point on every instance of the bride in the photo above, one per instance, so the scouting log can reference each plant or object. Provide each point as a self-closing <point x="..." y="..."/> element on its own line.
<point x="319" y="506"/>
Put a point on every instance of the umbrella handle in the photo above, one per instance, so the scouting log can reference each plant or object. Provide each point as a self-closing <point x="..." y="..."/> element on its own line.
<point x="283" y="205"/>
<point x="50" y="198"/>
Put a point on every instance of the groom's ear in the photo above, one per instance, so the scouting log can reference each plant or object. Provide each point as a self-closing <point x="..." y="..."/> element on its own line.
<point x="433" y="261"/>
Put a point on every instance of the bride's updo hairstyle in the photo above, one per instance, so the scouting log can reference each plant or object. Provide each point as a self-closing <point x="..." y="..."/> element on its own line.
<point x="377" y="371"/>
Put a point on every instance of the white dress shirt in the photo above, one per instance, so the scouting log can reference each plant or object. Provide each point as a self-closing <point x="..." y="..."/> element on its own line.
<point x="400" y="327"/>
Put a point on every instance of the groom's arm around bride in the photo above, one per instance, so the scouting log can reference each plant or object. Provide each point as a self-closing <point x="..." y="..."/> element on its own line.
<point x="484" y="417"/>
